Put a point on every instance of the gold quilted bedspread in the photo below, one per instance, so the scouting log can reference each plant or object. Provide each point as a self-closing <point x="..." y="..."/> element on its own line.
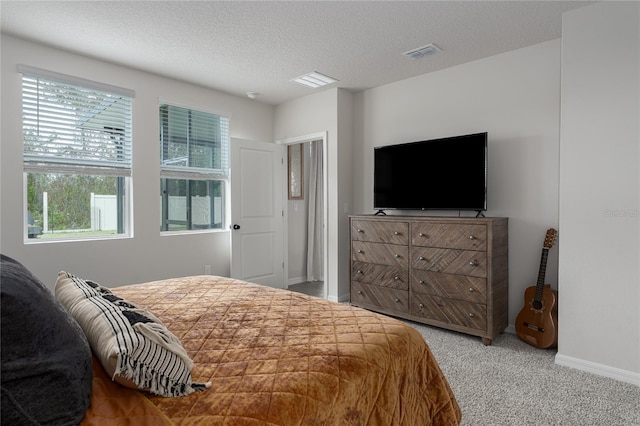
<point x="276" y="357"/>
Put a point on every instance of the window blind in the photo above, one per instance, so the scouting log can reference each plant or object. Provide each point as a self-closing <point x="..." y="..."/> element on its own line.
<point x="195" y="144"/>
<point x="69" y="127"/>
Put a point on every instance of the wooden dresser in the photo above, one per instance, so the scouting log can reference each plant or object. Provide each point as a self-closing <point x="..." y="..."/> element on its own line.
<point x="450" y="272"/>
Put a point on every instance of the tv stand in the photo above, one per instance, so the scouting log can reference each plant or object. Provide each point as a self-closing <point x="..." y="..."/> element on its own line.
<point x="380" y="213"/>
<point x="479" y="213"/>
<point x="449" y="272"/>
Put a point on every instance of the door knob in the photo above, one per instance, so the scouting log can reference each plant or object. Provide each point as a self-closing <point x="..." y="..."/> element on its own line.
<point x="236" y="227"/>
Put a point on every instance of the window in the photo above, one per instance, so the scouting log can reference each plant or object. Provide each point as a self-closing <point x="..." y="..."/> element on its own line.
<point x="76" y="155"/>
<point x="194" y="168"/>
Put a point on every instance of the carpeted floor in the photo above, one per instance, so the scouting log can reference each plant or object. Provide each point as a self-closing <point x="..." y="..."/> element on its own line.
<point x="512" y="383"/>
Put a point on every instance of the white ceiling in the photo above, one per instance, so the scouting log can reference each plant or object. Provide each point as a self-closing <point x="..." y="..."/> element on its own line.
<point x="243" y="46"/>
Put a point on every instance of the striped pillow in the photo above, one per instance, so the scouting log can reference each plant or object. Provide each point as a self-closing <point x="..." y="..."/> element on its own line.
<point x="133" y="346"/>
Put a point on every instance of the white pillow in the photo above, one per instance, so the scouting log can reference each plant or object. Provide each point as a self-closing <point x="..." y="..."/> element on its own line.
<point x="133" y="346"/>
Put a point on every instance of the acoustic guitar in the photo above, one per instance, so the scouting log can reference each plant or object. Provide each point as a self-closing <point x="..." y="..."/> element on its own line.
<point x="537" y="322"/>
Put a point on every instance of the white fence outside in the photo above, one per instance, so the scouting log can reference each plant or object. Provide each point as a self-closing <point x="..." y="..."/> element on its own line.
<point x="200" y="211"/>
<point x="104" y="212"/>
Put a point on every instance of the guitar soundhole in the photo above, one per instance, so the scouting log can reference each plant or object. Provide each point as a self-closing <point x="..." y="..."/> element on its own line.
<point x="537" y="304"/>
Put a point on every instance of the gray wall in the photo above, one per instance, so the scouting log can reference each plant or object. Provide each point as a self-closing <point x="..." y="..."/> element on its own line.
<point x="600" y="190"/>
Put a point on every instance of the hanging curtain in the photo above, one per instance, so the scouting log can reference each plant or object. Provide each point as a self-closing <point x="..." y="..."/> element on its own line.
<point x="315" y="224"/>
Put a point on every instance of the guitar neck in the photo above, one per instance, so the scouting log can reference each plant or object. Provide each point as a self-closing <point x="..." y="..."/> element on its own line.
<point x="541" y="274"/>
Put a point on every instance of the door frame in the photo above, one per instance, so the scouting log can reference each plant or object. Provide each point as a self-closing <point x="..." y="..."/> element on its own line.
<point x="325" y="211"/>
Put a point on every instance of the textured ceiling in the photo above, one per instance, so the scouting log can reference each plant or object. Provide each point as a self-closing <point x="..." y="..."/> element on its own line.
<point x="242" y="46"/>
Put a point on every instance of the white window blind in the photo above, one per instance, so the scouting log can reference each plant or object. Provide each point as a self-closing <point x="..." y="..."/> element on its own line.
<point x="72" y="125"/>
<point x="194" y="144"/>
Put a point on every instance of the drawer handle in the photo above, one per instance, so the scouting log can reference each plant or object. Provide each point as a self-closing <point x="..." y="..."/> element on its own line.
<point x="397" y="300"/>
<point x="422" y="234"/>
<point x="421" y="306"/>
<point x="471" y="290"/>
<point x="421" y="282"/>
<point x="473" y="263"/>
<point x="397" y="256"/>
<point x="359" y="291"/>
<point x="396" y="278"/>
<point x="471" y="237"/>
<point x="423" y="258"/>
<point x="359" y="272"/>
<point x="471" y="315"/>
<point x="360" y="231"/>
<point x="360" y="251"/>
<point x="396" y="233"/>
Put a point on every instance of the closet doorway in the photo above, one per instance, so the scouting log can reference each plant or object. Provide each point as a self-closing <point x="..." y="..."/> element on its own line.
<point x="306" y="214"/>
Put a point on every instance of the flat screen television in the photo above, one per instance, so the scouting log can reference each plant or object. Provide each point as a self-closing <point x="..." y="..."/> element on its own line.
<point x="439" y="174"/>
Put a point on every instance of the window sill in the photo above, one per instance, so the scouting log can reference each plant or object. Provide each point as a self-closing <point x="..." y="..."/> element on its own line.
<point x="49" y="240"/>
<point x="192" y="232"/>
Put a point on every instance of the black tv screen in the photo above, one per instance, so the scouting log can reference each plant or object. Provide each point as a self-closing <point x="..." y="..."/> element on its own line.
<point x="438" y="174"/>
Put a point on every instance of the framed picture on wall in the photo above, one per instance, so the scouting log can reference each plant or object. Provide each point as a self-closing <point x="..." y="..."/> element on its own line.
<point x="295" y="165"/>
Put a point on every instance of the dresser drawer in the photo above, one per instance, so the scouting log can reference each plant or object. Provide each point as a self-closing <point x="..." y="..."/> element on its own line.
<point x="382" y="254"/>
<point x="458" y="312"/>
<point x="386" y="276"/>
<point x="382" y="297"/>
<point x="449" y="235"/>
<point x="378" y="231"/>
<point x="462" y="287"/>
<point x="461" y="262"/>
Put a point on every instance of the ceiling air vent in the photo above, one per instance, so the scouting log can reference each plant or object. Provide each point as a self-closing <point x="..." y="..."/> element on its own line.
<point x="421" y="52"/>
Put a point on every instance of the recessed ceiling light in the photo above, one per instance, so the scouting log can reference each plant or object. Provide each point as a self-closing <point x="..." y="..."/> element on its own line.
<point x="252" y="95"/>
<point x="423" y="51"/>
<point x="314" y="80"/>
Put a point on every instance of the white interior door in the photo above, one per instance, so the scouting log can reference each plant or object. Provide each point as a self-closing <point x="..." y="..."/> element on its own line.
<point x="257" y="247"/>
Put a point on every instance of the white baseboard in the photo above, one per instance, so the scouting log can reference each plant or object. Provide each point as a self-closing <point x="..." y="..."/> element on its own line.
<point x="599" y="369"/>
<point x="340" y="299"/>
<point x="591" y="367"/>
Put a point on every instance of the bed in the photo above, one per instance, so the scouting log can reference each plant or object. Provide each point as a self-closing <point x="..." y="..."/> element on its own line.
<point x="263" y="356"/>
